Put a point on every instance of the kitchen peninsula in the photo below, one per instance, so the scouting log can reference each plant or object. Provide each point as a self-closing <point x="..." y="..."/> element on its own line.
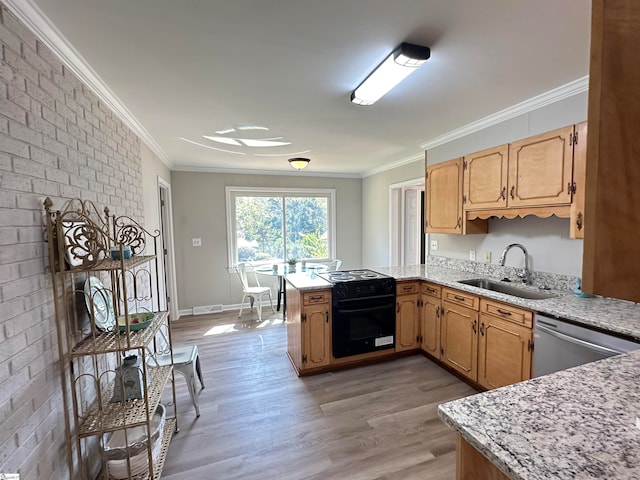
<point x="577" y="423"/>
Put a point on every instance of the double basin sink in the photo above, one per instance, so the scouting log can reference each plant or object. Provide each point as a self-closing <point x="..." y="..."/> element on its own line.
<point x="502" y="287"/>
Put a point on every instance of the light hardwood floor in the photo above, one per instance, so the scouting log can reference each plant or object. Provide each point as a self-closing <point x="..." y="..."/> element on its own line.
<point x="260" y="421"/>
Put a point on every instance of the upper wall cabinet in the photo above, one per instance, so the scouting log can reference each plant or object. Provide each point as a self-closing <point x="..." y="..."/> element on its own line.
<point x="541" y="175"/>
<point x="443" y="200"/>
<point x="485" y="178"/>
<point x="540" y="169"/>
<point x="443" y="186"/>
<point x="579" y="181"/>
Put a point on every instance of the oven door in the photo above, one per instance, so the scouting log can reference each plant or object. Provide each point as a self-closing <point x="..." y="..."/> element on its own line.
<point x="363" y="325"/>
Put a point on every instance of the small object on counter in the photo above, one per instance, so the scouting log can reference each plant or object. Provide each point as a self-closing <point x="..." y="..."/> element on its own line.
<point x="578" y="291"/>
<point x="115" y="252"/>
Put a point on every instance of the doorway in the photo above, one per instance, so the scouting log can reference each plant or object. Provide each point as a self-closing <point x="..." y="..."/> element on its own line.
<point x="407" y="240"/>
<point x="168" y="255"/>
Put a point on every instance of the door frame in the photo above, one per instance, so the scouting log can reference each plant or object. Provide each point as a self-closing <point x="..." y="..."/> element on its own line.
<point x="166" y="210"/>
<point x="397" y="229"/>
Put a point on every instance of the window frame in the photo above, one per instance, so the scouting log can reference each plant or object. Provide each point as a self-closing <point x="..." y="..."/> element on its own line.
<point x="232" y="192"/>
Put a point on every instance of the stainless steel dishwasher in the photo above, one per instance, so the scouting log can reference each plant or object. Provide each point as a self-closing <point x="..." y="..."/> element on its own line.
<point x="559" y="345"/>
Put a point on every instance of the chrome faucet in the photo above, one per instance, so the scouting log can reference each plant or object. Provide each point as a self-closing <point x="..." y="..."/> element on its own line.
<point x="525" y="274"/>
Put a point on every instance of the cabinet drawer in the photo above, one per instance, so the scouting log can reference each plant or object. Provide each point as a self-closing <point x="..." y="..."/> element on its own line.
<point x="311" y="298"/>
<point x="431" y="289"/>
<point x="461" y="298"/>
<point x="404" y="288"/>
<point x="507" y="312"/>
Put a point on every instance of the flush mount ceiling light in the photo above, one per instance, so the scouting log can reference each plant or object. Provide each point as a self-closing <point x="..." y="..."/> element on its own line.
<point x="299" y="163"/>
<point x="395" y="68"/>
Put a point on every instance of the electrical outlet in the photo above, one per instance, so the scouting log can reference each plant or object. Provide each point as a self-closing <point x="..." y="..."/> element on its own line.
<point x="487" y="257"/>
<point x="472" y="255"/>
<point x="196" y="242"/>
<point x="434" y="244"/>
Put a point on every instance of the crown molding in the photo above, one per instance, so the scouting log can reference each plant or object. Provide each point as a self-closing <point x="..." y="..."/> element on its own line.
<point x="292" y="173"/>
<point x="564" y="91"/>
<point x="31" y="15"/>
<point x="572" y="88"/>
<point x="396" y="164"/>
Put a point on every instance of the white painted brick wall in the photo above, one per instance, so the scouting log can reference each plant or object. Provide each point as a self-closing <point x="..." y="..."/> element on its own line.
<point x="56" y="139"/>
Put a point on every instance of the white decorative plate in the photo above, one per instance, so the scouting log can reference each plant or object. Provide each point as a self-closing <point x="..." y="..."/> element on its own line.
<point x="102" y="300"/>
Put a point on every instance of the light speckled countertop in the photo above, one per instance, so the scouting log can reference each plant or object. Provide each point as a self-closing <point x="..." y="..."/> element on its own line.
<point x="575" y="424"/>
<point x="608" y="314"/>
<point x="605" y="313"/>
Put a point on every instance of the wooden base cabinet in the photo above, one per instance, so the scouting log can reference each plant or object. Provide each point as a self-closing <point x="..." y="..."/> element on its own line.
<point x="505" y="344"/>
<point x="472" y="465"/>
<point x="407" y="316"/>
<point x="459" y="332"/>
<point x="308" y="328"/>
<point x="430" y="308"/>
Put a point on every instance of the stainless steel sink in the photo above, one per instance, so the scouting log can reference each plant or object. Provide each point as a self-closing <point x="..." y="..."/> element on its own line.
<point x="507" y="289"/>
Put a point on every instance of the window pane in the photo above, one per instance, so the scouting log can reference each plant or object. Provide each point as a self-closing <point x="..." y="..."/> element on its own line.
<point x="259" y="234"/>
<point x="307" y="227"/>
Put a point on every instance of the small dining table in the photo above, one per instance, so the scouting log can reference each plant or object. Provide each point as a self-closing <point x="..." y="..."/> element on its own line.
<point x="280" y="270"/>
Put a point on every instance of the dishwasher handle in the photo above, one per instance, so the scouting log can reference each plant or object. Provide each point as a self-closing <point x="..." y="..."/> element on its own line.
<point x="583" y="343"/>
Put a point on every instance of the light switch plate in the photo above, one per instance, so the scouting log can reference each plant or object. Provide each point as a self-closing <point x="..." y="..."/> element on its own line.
<point x="487" y="257"/>
<point x="472" y="255"/>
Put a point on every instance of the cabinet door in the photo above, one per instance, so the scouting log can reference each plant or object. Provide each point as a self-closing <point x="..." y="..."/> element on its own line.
<point x="459" y="339"/>
<point x="576" y="227"/>
<point x="504" y="352"/>
<point x="407" y="322"/>
<point x="540" y="169"/>
<point x="485" y="178"/>
<point x="430" y="325"/>
<point x="317" y="334"/>
<point x="443" y="197"/>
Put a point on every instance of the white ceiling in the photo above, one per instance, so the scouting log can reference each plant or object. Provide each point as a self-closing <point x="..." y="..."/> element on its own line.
<point x="188" y="68"/>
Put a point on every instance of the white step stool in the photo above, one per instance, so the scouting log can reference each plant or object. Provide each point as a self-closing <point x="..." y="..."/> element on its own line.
<point x="187" y="362"/>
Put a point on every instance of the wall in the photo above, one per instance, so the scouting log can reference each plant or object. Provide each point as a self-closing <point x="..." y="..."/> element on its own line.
<point x="375" y="211"/>
<point x="56" y="139"/>
<point x="199" y="210"/>
<point x="546" y="239"/>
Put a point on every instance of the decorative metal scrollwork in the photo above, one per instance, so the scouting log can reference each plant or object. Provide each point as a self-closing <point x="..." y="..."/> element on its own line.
<point x="134" y="237"/>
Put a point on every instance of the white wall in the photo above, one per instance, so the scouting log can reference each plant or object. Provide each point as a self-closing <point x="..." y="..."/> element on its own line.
<point x="546" y="239"/>
<point x="199" y="208"/>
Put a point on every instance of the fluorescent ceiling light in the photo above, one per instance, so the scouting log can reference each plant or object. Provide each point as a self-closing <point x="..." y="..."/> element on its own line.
<point x="396" y="67"/>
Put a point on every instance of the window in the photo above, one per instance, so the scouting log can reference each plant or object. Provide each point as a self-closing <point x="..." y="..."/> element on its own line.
<point x="266" y="225"/>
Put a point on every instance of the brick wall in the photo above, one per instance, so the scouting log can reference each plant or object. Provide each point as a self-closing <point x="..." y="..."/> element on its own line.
<point x="56" y="139"/>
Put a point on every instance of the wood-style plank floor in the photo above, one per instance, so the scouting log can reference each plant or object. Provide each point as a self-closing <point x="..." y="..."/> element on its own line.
<point x="260" y="421"/>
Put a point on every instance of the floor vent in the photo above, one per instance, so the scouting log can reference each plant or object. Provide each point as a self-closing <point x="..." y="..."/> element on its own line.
<point x="207" y="309"/>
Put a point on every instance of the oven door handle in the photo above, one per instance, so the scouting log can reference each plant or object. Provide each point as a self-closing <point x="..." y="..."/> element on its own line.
<point x="366" y="309"/>
<point x="577" y="341"/>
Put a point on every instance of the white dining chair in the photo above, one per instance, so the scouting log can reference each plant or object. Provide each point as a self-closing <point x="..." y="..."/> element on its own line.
<point x="335" y="265"/>
<point x="254" y="293"/>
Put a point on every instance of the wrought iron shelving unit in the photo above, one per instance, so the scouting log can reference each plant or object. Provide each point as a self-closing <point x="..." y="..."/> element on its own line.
<point x="96" y="300"/>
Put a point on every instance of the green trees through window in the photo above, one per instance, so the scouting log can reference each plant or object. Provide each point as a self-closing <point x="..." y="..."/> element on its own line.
<point x="281" y="226"/>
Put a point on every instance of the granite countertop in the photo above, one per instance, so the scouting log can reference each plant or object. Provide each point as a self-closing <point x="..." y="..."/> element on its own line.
<point x="579" y="423"/>
<point x="609" y="314"/>
<point x="613" y="315"/>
